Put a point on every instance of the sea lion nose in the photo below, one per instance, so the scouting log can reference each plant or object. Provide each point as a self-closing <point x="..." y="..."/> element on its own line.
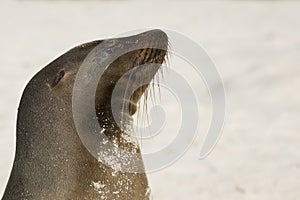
<point x="157" y="34"/>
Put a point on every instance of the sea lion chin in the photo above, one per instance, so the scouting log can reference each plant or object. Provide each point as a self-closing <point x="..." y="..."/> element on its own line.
<point x="51" y="162"/>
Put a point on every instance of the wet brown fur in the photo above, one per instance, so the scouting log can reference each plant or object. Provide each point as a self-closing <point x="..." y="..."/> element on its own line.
<point x="51" y="162"/>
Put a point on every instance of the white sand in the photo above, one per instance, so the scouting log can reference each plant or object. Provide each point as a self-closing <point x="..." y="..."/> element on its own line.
<point x="256" y="46"/>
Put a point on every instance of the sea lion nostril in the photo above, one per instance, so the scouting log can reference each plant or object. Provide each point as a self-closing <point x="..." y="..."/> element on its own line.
<point x="58" y="77"/>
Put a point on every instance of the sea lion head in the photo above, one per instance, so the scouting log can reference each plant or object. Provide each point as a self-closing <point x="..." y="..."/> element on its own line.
<point x="131" y="71"/>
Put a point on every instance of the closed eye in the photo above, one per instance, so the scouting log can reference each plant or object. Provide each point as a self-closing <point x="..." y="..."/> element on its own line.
<point x="58" y="77"/>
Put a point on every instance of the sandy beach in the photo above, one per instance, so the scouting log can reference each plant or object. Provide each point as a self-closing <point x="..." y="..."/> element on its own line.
<point x="256" y="48"/>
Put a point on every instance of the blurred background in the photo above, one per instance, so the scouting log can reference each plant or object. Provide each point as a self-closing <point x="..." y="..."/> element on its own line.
<point x="256" y="48"/>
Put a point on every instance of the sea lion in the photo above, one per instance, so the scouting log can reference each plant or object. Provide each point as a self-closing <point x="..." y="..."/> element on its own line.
<point x="51" y="161"/>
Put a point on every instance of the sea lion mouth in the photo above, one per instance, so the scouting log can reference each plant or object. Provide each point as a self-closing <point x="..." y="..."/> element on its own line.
<point x="132" y="71"/>
<point x="143" y="73"/>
